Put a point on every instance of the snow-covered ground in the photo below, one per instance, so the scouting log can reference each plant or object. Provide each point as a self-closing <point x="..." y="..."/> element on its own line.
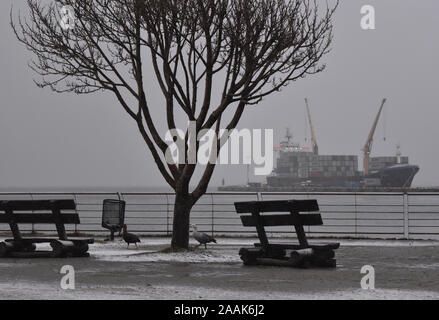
<point x="223" y="252"/>
<point x="29" y="291"/>
<point x="404" y="270"/>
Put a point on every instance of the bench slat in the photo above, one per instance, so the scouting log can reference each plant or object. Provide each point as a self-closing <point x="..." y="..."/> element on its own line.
<point x="41" y="218"/>
<point x="50" y="239"/>
<point x="283" y="220"/>
<point x="34" y="205"/>
<point x="277" y="206"/>
<point x="326" y="246"/>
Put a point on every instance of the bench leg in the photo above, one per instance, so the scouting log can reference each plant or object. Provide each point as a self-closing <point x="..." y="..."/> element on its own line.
<point x="6" y="248"/>
<point x="313" y="258"/>
<point x="63" y="248"/>
<point x="250" y="255"/>
<point x="301" y="236"/>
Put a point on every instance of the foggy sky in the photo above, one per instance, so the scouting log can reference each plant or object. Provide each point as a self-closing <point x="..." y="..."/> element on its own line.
<point x="66" y="141"/>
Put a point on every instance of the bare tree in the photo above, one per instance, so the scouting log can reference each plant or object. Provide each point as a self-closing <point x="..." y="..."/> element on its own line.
<point x="240" y="50"/>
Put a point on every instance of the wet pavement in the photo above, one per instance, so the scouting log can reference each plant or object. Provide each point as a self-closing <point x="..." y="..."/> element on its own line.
<point x="403" y="271"/>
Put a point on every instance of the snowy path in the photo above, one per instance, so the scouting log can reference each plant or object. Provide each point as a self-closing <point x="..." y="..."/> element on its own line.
<point x="404" y="270"/>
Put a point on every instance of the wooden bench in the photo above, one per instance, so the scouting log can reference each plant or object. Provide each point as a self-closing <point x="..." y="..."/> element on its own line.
<point x="41" y="212"/>
<point x="300" y="255"/>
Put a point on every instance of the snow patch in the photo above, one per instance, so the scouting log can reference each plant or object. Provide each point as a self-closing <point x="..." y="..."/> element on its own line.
<point x="30" y="290"/>
<point x="183" y="257"/>
<point x="192" y="293"/>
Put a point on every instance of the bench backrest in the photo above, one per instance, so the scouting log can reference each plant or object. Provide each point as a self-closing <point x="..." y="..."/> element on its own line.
<point x="26" y="212"/>
<point x="27" y="215"/>
<point x="293" y="218"/>
<point x="294" y="207"/>
<point x="277" y="206"/>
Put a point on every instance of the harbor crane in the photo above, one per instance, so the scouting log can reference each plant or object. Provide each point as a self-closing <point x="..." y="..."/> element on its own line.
<point x="368" y="146"/>
<point x="315" y="147"/>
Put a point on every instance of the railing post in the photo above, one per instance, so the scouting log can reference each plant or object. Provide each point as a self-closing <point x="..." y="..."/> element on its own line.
<point x="122" y="198"/>
<point x="213" y="216"/>
<point x="167" y="215"/>
<point x="76" y="211"/>
<point x="356" y="215"/>
<point x="33" y="225"/>
<point x="308" y="197"/>
<point x="406" y="216"/>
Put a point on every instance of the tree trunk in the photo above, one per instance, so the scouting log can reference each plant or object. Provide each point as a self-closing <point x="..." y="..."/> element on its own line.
<point x="182" y="210"/>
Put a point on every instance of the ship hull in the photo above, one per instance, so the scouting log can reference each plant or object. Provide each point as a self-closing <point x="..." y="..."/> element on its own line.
<point x="398" y="176"/>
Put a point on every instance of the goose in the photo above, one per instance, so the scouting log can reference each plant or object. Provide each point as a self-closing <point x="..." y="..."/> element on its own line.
<point x="202" y="238"/>
<point x="130" y="237"/>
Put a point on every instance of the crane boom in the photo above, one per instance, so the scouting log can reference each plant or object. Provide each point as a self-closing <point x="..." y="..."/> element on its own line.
<point x="315" y="147"/>
<point x="368" y="146"/>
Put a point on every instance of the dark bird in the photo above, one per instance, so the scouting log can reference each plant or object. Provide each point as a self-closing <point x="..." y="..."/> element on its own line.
<point x="130" y="237"/>
<point x="202" y="238"/>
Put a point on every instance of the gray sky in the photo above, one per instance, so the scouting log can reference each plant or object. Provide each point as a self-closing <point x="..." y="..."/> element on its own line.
<point x="52" y="141"/>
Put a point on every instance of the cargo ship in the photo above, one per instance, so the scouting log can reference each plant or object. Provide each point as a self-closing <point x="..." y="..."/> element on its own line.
<point x="301" y="168"/>
<point x="298" y="167"/>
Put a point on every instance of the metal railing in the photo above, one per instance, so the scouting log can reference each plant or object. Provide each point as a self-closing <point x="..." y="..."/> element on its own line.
<point x="349" y="215"/>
